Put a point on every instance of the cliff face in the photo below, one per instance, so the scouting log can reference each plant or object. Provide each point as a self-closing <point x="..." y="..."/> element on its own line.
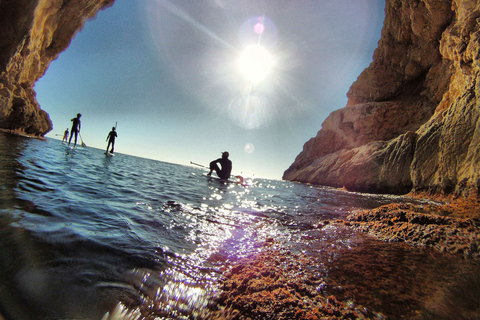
<point x="412" y="117"/>
<point x="34" y="32"/>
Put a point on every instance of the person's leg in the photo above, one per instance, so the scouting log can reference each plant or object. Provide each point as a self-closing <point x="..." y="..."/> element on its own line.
<point x="76" y="135"/>
<point x="214" y="167"/>
<point x="71" y="135"/>
<point x="113" y="146"/>
<point x="108" y="146"/>
<point x="223" y="176"/>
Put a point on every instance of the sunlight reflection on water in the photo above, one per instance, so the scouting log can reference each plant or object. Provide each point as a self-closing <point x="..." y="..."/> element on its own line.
<point x="81" y="235"/>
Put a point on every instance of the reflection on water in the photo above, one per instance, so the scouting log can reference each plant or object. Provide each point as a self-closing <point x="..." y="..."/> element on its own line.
<point x="83" y="234"/>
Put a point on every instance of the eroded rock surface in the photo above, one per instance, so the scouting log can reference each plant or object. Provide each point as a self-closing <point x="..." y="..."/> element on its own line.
<point x="33" y="34"/>
<point x="412" y="118"/>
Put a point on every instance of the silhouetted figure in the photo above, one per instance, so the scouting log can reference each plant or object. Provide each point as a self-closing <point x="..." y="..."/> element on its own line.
<point x="65" y="136"/>
<point x="111" y="139"/>
<point x="76" y="126"/>
<point x="226" y="166"/>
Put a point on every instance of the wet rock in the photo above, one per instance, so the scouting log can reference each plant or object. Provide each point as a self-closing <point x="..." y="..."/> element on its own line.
<point x="263" y="286"/>
<point x="420" y="225"/>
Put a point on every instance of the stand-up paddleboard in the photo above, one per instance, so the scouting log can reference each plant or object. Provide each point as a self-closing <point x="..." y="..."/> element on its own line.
<point x="109" y="154"/>
<point x="215" y="178"/>
<point x="239" y="179"/>
<point x="234" y="179"/>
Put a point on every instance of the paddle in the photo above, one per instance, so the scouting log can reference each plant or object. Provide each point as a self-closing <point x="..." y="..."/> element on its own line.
<point x="199" y="165"/>
<point x="83" y="144"/>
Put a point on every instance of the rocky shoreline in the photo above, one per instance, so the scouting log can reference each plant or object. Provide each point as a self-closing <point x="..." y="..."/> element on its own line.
<point x="450" y="226"/>
<point x="278" y="284"/>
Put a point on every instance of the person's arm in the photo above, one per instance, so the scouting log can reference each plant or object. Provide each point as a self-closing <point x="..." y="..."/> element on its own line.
<point x="213" y="162"/>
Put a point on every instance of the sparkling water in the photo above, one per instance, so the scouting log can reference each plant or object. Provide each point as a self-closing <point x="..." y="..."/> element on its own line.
<point x="82" y="232"/>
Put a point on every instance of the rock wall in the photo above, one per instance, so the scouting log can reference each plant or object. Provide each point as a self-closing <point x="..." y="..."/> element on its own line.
<point x="34" y="32"/>
<point x="412" y="118"/>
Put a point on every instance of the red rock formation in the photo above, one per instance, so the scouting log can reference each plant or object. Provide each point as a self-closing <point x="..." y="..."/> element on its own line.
<point x="412" y="118"/>
<point x="33" y="34"/>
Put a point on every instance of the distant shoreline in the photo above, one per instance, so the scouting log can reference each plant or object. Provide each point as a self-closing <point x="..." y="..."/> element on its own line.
<point x="19" y="132"/>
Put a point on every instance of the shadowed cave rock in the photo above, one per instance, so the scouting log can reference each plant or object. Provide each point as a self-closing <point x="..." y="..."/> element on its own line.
<point x="34" y="33"/>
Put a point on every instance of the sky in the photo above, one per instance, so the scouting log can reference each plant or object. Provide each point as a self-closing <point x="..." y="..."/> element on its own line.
<point x="185" y="80"/>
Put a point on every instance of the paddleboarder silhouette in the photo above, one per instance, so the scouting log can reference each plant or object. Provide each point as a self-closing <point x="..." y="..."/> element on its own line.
<point x="226" y="166"/>
<point x="111" y="139"/>
<point x="65" y="136"/>
<point x="76" y="126"/>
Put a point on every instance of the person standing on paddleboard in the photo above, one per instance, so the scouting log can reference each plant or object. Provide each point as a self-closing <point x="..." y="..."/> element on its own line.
<point x="65" y="136"/>
<point x="226" y="166"/>
<point x="111" y="139"/>
<point x="76" y="126"/>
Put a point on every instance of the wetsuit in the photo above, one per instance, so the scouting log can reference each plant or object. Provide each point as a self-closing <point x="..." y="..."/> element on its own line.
<point x="75" y="129"/>
<point x="225" y="171"/>
<point x="65" y="136"/>
<point x="111" y="140"/>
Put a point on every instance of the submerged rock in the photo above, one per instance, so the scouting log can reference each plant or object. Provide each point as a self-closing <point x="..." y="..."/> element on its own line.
<point x="412" y="118"/>
<point x="276" y="284"/>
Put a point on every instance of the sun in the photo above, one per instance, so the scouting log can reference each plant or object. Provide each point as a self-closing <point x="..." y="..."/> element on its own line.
<point x="255" y="63"/>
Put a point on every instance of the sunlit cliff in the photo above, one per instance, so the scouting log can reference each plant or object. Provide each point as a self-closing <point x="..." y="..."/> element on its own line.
<point x="412" y="118"/>
<point x="34" y="32"/>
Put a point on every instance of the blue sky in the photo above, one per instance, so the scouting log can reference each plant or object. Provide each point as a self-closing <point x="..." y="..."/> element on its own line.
<point x="168" y="73"/>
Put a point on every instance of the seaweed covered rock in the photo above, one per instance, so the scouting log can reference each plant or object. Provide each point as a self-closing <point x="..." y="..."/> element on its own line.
<point x="426" y="225"/>
<point x="277" y="284"/>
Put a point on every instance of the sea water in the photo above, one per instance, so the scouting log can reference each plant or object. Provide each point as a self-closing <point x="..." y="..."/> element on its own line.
<point x="81" y="232"/>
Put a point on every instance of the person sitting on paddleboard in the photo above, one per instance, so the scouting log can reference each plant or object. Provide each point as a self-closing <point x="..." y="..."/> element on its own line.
<point x="111" y="139"/>
<point x="76" y="126"/>
<point x="226" y="166"/>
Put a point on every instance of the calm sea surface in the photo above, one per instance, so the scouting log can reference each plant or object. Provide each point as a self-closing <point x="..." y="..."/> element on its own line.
<point x="80" y="231"/>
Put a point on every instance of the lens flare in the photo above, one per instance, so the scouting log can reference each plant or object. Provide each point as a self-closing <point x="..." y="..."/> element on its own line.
<point x="259" y="28"/>
<point x="249" y="147"/>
